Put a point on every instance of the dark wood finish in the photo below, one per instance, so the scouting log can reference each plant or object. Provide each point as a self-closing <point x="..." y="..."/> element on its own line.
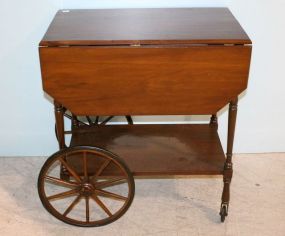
<point x="137" y="81"/>
<point x="158" y="149"/>
<point x="214" y="121"/>
<point x="228" y="167"/>
<point x="144" y="26"/>
<point x="140" y="62"/>
<point x="85" y="185"/>
<point x="59" y="111"/>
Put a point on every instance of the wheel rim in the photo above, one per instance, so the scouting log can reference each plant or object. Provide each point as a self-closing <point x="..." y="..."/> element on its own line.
<point x="100" y="189"/>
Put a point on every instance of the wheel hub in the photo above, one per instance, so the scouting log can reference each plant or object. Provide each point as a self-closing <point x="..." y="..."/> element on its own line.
<point x="87" y="189"/>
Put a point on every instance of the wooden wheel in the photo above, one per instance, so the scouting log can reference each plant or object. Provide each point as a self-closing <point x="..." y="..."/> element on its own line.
<point x="100" y="189"/>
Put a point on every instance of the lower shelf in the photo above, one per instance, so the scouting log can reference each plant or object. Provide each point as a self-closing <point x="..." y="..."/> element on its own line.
<point x="158" y="150"/>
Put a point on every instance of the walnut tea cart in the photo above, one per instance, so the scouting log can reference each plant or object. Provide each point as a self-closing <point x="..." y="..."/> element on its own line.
<point x="99" y="64"/>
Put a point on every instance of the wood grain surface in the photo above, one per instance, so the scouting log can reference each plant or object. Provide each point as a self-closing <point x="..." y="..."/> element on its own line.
<point x="156" y="149"/>
<point x="144" y="80"/>
<point x="145" y="26"/>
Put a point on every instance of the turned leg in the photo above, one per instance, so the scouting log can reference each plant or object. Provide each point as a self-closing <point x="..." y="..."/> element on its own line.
<point x="228" y="167"/>
<point x="59" y="120"/>
<point x="59" y="111"/>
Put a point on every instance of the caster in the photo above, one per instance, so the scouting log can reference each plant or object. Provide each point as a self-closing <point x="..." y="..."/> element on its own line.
<point x="223" y="213"/>
<point x="99" y="190"/>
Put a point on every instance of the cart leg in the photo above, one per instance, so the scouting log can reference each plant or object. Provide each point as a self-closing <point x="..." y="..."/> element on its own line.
<point x="228" y="167"/>
<point x="59" y="112"/>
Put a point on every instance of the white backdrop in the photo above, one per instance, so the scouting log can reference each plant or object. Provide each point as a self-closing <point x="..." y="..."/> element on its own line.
<point x="26" y="118"/>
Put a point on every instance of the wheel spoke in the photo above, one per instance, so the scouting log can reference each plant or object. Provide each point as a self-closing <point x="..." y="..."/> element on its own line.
<point x="101" y="204"/>
<point x="70" y="170"/>
<point x="72" y="205"/>
<point x="107" y="183"/>
<point x="63" y="194"/>
<point x="129" y="119"/>
<point x="110" y="195"/>
<point x="60" y="181"/>
<point x="99" y="172"/>
<point x="97" y="120"/>
<point x="87" y="209"/>
<point x="85" y="165"/>
<point x="71" y="194"/>
<point x="89" y="120"/>
<point x="105" y="121"/>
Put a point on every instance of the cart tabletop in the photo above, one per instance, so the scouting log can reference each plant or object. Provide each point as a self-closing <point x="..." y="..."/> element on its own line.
<point x="131" y="61"/>
<point x="144" y="26"/>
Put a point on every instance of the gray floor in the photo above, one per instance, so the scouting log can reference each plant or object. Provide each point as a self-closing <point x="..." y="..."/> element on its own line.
<point x="177" y="206"/>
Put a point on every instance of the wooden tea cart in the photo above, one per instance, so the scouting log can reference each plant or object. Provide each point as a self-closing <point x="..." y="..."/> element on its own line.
<point x="99" y="64"/>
